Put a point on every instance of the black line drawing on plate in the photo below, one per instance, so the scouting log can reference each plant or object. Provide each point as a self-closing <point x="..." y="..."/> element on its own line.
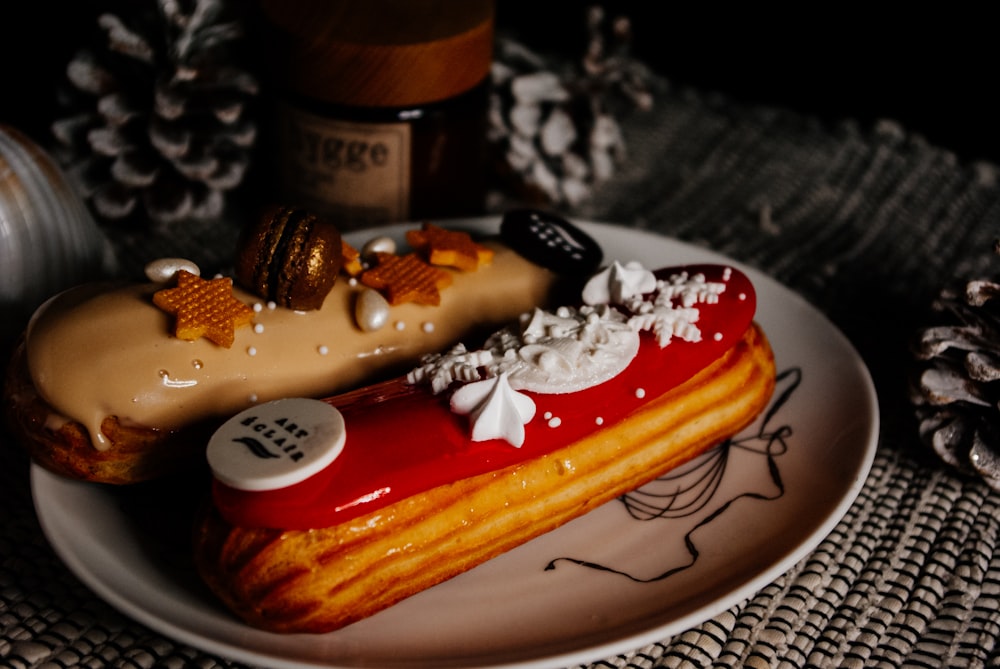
<point x="691" y="490"/>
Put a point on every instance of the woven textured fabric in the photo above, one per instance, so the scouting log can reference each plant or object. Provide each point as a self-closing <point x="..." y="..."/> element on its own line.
<point x="866" y="223"/>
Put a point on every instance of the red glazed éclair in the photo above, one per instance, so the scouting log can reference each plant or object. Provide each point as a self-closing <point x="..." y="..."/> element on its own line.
<point x="425" y="484"/>
<point x="123" y="384"/>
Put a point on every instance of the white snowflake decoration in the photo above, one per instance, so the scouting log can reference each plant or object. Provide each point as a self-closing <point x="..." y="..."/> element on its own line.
<point x="690" y="290"/>
<point x="566" y="350"/>
<point x="667" y="320"/>
<point x="442" y="369"/>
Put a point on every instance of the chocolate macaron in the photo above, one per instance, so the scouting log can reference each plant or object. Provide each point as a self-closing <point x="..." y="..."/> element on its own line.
<point x="290" y="256"/>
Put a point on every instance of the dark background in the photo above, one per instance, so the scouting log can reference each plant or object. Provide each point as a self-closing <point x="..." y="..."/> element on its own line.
<point x="932" y="71"/>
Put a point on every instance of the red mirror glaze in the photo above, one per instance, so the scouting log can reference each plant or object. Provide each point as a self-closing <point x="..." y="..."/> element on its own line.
<point x="402" y="440"/>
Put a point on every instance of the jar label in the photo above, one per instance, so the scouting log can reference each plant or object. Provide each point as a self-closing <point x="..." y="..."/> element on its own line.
<point x="356" y="172"/>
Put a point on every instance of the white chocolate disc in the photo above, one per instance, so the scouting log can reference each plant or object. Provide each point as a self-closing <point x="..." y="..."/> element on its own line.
<point x="276" y="444"/>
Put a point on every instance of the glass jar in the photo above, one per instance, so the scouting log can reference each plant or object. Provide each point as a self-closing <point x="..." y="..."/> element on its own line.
<point x="382" y="104"/>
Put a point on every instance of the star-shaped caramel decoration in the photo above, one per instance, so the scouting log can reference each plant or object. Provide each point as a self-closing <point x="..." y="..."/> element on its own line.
<point x="406" y="279"/>
<point x="204" y="308"/>
<point x="351" y="259"/>
<point x="449" y="248"/>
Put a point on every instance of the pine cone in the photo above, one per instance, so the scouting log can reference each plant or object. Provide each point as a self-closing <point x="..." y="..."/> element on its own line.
<point x="554" y="130"/>
<point x="957" y="392"/>
<point x="158" y="123"/>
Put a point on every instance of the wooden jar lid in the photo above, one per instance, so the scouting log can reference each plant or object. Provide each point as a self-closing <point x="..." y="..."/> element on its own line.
<point x="381" y="53"/>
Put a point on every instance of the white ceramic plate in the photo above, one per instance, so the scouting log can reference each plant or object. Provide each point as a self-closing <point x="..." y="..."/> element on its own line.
<point x="620" y="577"/>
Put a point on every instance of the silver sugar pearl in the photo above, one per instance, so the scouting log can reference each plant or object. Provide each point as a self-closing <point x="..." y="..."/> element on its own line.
<point x="378" y="245"/>
<point x="371" y="311"/>
<point x="162" y="270"/>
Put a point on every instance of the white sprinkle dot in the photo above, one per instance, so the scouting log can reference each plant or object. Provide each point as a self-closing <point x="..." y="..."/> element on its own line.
<point x="400" y="325"/>
<point x="548" y="415"/>
<point x="743" y="296"/>
<point x="726" y="273"/>
<point x="258" y="328"/>
<point x="272" y="305"/>
<point x="352" y="282"/>
<point x="253" y="398"/>
<point x="427" y="327"/>
<point x="717" y="336"/>
<point x="640" y="392"/>
<point x="555" y="422"/>
<point x="323" y="350"/>
<point x="258" y="307"/>
<point x="599" y="421"/>
<point x="251" y="351"/>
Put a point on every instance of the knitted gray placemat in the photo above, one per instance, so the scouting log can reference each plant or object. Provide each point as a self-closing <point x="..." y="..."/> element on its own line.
<point x="865" y="223"/>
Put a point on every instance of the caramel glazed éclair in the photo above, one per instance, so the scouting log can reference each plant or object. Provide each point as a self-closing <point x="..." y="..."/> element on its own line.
<point x="108" y="382"/>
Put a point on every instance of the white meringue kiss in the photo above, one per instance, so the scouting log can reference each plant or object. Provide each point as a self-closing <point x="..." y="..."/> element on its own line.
<point x="496" y="410"/>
